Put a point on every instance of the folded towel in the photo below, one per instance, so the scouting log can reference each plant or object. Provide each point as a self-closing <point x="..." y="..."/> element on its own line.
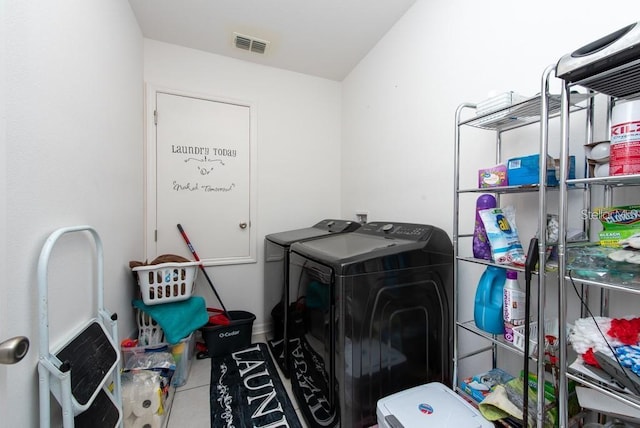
<point x="507" y="401"/>
<point x="497" y="405"/>
<point x="177" y="319"/>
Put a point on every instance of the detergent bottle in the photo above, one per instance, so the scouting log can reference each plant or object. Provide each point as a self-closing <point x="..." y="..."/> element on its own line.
<point x="487" y="311"/>
<point x="481" y="247"/>
<point x="513" y="304"/>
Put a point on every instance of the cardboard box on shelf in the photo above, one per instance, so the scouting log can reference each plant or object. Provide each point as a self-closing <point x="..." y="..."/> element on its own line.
<point x="495" y="176"/>
<point x="621" y="226"/>
<point x="525" y="170"/>
<point x="480" y="385"/>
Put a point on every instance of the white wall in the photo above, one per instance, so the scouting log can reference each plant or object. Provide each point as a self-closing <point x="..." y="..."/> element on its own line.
<point x="4" y="402"/>
<point x="73" y="98"/>
<point x="71" y="125"/>
<point x="298" y="165"/>
<point x="399" y="102"/>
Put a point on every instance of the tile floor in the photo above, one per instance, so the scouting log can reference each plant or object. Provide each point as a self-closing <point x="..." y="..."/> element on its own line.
<point x="190" y="407"/>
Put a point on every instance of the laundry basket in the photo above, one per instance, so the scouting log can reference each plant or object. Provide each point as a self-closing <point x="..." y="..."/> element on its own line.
<point x="166" y="282"/>
<point x="149" y="331"/>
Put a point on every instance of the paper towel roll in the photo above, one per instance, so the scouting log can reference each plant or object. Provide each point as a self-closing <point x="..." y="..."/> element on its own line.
<point x="127" y="400"/>
<point x="145" y="399"/>
<point x="148" y="421"/>
<point x="128" y="422"/>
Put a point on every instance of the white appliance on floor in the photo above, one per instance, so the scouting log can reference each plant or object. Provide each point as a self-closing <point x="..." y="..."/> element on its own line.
<point x="431" y="405"/>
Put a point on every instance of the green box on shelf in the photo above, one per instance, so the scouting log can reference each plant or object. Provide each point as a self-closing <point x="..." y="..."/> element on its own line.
<point x="550" y="396"/>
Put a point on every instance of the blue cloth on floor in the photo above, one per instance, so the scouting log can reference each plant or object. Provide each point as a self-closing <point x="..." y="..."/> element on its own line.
<point x="177" y="319"/>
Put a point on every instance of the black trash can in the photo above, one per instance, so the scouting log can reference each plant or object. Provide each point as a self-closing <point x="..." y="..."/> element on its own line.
<point x="225" y="339"/>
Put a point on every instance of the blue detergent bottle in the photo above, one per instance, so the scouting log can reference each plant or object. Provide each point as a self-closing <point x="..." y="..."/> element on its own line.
<point x="487" y="311"/>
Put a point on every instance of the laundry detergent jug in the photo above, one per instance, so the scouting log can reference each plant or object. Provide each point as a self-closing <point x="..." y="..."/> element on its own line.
<point x="487" y="311"/>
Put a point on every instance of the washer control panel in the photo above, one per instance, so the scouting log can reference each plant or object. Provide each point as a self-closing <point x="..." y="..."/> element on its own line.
<point x="408" y="231"/>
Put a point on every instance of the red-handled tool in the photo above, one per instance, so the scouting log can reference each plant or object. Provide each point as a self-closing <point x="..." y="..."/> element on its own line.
<point x="195" y="256"/>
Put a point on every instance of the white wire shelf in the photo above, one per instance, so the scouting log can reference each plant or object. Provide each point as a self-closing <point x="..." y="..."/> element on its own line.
<point x="496" y="339"/>
<point x="523" y="113"/>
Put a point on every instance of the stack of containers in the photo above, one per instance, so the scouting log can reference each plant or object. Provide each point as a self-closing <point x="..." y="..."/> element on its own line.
<point x="159" y="284"/>
<point x="150" y="363"/>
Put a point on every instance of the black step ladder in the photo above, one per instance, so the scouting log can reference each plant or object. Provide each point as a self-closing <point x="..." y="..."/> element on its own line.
<point x="83" y="373"/>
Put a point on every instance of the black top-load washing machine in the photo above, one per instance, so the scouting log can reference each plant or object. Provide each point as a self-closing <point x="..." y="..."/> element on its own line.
<point x="375" y="310"/>
<point x="276" y="272"/>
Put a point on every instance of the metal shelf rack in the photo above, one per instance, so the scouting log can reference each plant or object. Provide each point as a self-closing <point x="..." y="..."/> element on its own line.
<point x="535" y="110"/>
<point x="618" y="83"/>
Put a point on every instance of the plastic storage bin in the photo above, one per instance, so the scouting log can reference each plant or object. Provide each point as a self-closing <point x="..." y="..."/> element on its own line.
<point x="550" y="329"/>
<point x="225" y="339"/>
<point x="182" y="352"/>
<point x="500" y="105"/>
<point x="166" y="282"/>
<point x="497" y="102"/>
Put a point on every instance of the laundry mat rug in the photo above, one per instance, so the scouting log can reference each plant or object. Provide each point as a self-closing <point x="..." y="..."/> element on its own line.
<point x="246" y="391"/>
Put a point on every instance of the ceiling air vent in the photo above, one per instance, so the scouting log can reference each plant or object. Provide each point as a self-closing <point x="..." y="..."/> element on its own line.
<point x="249" y="43"/>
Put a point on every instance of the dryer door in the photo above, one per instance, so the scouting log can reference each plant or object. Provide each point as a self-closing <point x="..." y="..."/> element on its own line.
<point x="312" y="333"/>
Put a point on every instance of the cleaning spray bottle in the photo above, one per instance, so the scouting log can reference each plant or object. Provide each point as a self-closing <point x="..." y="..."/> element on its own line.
<point x="513" y="304"/>
<point x="481" y="247"/>
<point x="487" y="310"/>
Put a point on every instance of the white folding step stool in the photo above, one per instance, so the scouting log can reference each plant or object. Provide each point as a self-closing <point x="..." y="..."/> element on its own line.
<point x="84" y="372"/>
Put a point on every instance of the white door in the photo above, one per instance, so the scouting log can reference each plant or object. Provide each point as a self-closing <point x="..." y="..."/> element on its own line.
<point x="202" y="178"/>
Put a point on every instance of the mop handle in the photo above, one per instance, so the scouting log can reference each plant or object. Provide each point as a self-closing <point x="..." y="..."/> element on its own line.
<point x="188" y="242"/>
<point x="195" y="256"/>
<point x="530" y="265"/>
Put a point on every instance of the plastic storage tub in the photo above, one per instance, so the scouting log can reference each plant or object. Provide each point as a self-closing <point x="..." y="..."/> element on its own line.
<point x="500" y="105"/>
<point x="182" y="353"/>
<point x="550" y="330"/>
<point x="225" y="339"/>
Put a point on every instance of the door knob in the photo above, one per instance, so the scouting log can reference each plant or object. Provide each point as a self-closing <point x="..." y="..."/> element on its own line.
<point x="13" y="350"/>
<point x="243" y="225"/>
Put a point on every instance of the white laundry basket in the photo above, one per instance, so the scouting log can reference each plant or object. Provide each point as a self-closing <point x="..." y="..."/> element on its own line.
<point x="166" y="282"/>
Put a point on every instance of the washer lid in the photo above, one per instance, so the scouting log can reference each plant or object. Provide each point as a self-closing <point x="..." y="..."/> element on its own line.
<point x="343" y="247"/>
<point x="377" y="247"/>
<point x="430" y="405"/>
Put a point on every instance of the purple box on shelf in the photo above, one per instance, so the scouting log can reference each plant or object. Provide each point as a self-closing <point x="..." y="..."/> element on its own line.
<point x="496" y="176"/>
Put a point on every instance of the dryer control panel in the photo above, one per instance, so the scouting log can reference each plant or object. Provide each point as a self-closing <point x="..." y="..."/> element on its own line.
<point x="408" y="231"/>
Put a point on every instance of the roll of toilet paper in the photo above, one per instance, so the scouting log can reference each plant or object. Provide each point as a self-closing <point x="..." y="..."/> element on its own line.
<point x="127" y="400"/>
<point x="148" y="421"/>
<point x="146" y="399"/>
<point x="129" y="421"/>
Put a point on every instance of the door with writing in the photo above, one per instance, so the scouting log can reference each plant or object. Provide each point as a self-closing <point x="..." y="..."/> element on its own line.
<point x="202" y="178"/>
